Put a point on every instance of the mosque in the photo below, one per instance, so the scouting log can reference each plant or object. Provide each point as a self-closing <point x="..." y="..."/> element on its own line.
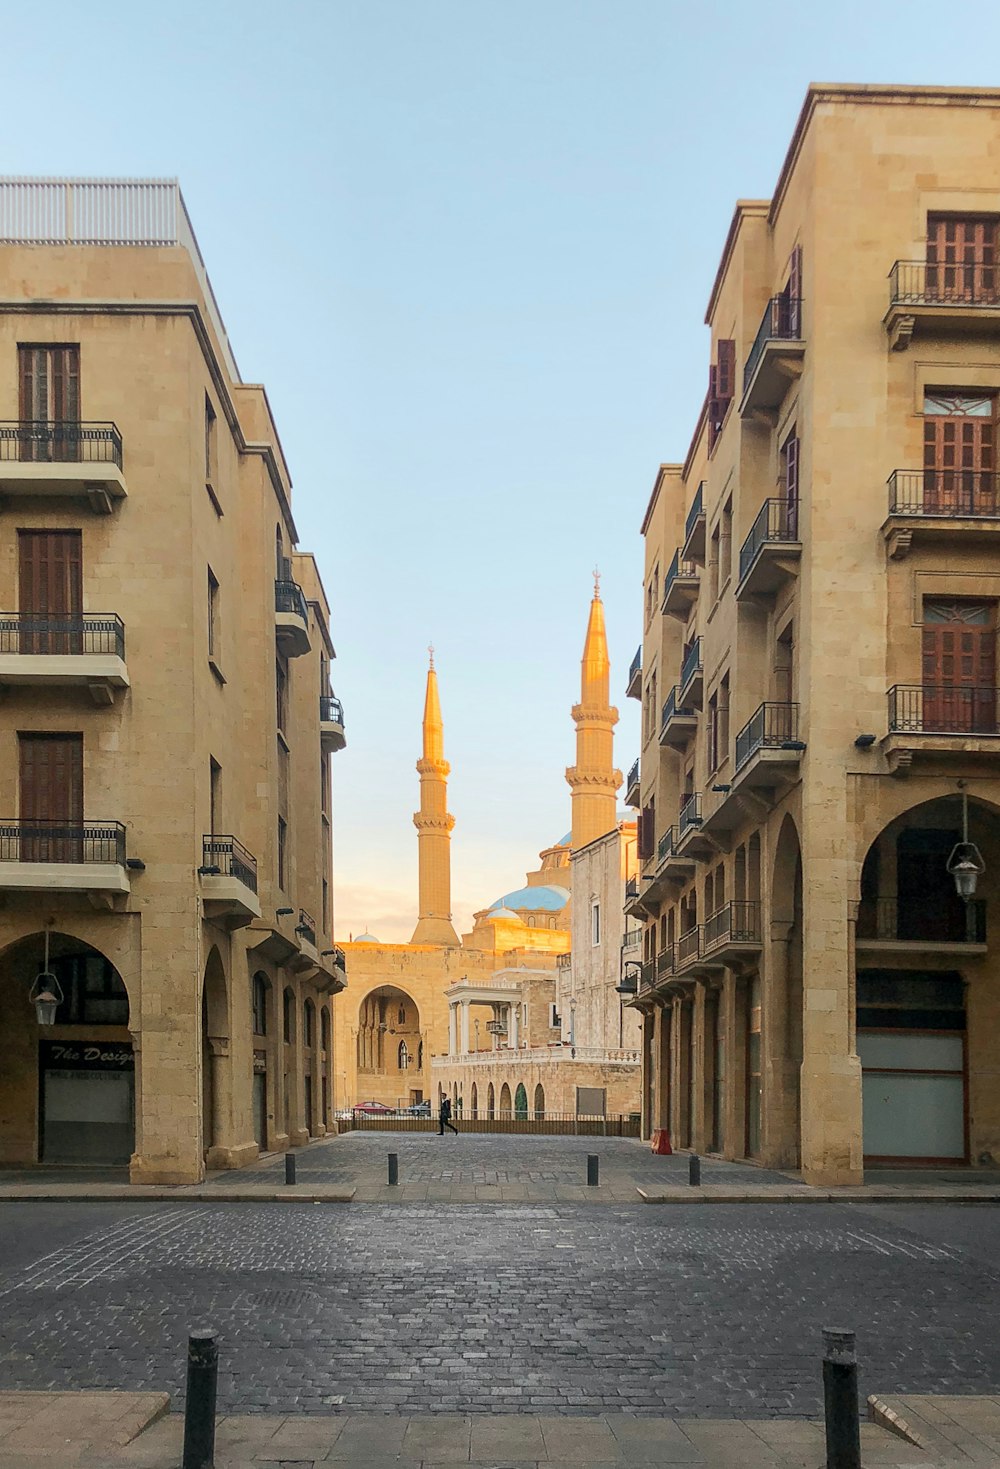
<point x="505" y="1019"/>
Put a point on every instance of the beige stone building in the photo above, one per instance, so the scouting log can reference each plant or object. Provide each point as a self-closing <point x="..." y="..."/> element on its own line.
<point x="818" y="666"/>
<point x="166" y="718"/>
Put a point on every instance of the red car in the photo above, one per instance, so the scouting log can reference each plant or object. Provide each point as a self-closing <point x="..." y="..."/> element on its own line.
<point x="370" y="1108"/>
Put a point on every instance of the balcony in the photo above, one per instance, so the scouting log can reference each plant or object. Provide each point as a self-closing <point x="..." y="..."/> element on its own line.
<point x="665" y="964"/>
<point x="631" y="939"/>
<point x="64" y="857"/>
<point x="680" y="588"/>
<point x="657" y="873"/>
<point x="678" y="723"/>
<point x="692" y="682"/>
<point x="40" y="459"/>
<point x="675" y="865"/>
<point x="331" y="724"/>
<point x="768" y="749"/>
<point x="775" y="359"/>
<point x="770" y="554"/>
<point x="633" y="902"/>
<point x="228" y="875"/>
<point x="693" y="549"/>
<point x="291" y="619"/>
<point x="64" y="650"/>
<point x="632" y="794"/>
<point x="692" y="842"/>
<point x="945" y="300"/>
<point x="947" y="506"/>
<point x="688" y="949"/>
<point x="732" y="935"/>
<point x="930" y="923"/>
<point x="647" y="974"/>
<point x="633" y="689"/>
<point x="936" y="721"/>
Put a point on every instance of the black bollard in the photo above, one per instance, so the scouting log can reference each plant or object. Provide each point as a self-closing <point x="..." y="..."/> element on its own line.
<point x="840" y="1400"/>
<point x="199" y="1404"/>
<point x="593" y="1170"/>
<point x="393" y="1168"/>
<point x="694" y="1171"/>
<point x="289" y="1167"/>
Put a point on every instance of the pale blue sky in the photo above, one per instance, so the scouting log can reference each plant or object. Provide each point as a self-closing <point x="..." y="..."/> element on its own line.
<point x="467" y="245"/>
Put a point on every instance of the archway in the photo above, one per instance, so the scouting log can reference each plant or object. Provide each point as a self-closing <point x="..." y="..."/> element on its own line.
<point x="326" y="1064"/>
<point x="521" y="1101"/>
<point x="215" y="1098"/>
<point x="388" y="1041"/>
<point x="261" y="1007"/>
<point x="474" y="1099"/>
<point x="288" y="1030"/>
<point x="774" y="1028"/>
<point x="308" y="1063"/>
<point x="490" y="1102"/>
<point x="505" y="1108"/>
<point x="539" y="1102"/>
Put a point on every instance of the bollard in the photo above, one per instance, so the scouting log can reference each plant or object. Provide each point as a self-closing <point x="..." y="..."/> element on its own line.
<point x="199" y="1404"/>
<point x="393" y="1168"/>
<point x="289" y="1167"/>
<point x="840" y="1400"/>
<point x="694" y="1171"/>
<point x="593" y="1170"/>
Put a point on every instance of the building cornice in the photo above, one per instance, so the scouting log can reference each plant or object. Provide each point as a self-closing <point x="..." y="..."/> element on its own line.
<point x="745" y="209"/>
<point x="661" y="474"/>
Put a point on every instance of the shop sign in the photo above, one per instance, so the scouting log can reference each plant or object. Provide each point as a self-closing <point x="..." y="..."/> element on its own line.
<point x="86" y="1056"/>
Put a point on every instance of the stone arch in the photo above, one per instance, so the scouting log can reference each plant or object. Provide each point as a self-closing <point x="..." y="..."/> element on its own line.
<point x="216" y="1081"/>
<point x="539" y="1102"/>
<point x="474" y="1098"/>
<point x="521" y="1101"/>
<point x="490" y="1101"/>
<point x="505" y="1106"/>
<point x="381" y="1033"/>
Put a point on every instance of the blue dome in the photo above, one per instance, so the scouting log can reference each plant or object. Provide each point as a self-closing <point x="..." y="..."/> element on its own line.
<point x="366" y="938"/>
<point x="535" y="900"/>
<point x="500" y="911"/>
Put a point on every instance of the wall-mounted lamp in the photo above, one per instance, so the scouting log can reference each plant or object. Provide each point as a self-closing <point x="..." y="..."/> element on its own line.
<point x="209" y="871"/>
<point x="865" y="741"/>
<point x="792" y="745"/>
<point x="135" y="864"/>
<point x="721" y="788"/>
<point x="284" y="912"/>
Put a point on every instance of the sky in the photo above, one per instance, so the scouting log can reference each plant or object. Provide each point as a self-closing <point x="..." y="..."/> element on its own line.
<point x="467" y="245"/>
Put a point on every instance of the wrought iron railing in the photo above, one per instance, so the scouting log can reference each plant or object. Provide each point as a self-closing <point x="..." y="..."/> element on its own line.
<point x="665" y="962"/>
<point x="35" y="441"/>
<point x="782" y="321"/>
<point x="696" y="511"/>
<point x="691" y="664"/>
<point x="677" y="568"/>
<point x="923" y="283"/>
<point x="632" y="938"/>
<point x="942" y="709"/>
<point x="636" y="665"/>
<point x="735" y="923"/>
<point x="770" y="726"/>
<point x="306" y="927"/>
<point x="226" y="857"/>
<point x="288" y="597"/>
<point x="647" y="973"/>
<point x="665" y="846"/>
<point x="777" y="520"/>
<point x="673" y="708"/>
<point x="921" y="919"/>
<point x="972" y="494"/>
<point x="62" y="841"/>
<point x="62" y="632"/>
<point x="690" y="813"/>
<point x="688" y="946"/>
<point x="631" y="888"/>
<point x="331" y="710"/>
<point x="633" y="776"/>
<point x="339" y="958"/>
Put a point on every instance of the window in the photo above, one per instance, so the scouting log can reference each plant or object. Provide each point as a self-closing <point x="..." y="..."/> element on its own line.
<point x="788" y="485"/>
<point x="555" y="1020"/>
<point x="713" y="751"/>
<point x="713" y="566"/>
<point x="213" y="615"/>
<point x="402" y="1056"/>
<point x="646" y="836"/>
<point x="959" y="453"/>
<point x="260" y="988"/>
<point x="214" y="795"/>
<point x="282" y="840"/>
<point x="307" y="1023"/>
<point x="653" y="594"/>
<point x="93" y="993"/>
<point x="721" y="387"/>
<point x="49" y="395"/>
<point x="210" y="441"/>
<point x="595" y="924"/>
<point x="401" y="1016"/>
<point x="281" y="695"/>
<point x="324" y="786"/>
<point x="962" y="257"/>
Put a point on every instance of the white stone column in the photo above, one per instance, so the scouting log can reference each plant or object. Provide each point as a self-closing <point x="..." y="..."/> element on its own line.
<point x="514" y="1030"/>
<point x="452" y="1030"/>
<point x="464" y="1027"/>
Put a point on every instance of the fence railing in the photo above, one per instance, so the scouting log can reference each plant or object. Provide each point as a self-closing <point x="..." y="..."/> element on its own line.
<point x="691" y="664"/>
<point x="736" y="923"/>
<point x="63" y="841"/>
<point x="690" y="813"/>
<point x="770" y="726"/>
<point x="918" y="919"/>
<point x="480" y="1119"/>
<point x="942" y="709"/>
<point x="633" y="776"/>
<point x="688" y="946"/>
<point x="665" y="962"/>
<point x="288" y="597"/>
<point x="230" y="859"/>
<point x="777" y="520"/>
<point x="86" y="633"/>
<point x="782" y="321"/>
<point x="694" y="514"/>
<point x="971" y="494"/>
<point x="331" y="710"/>
<point x="635" y="667"/>
<point x="306" y="927"/>
<point x="928" y="283"/>
<point x="35" y="441"/>
<point x="677" y="568"/>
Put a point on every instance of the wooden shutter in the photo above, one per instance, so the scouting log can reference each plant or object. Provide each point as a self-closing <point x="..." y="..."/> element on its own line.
<point x="51" y="797"/>
<point x="795" y="292"/>
<point x="791" y="487"/>
<point x="725" y="382"/>
<point x="50" y="591"/>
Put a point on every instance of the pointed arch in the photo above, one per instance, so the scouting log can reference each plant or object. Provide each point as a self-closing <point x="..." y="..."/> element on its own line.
<point x="490" y="1101"/>
<point x="505" y="1107"/>
<point x="475" y="1100"/>
<point x="521" y="1101"/>
<point x="539" y="1102"/>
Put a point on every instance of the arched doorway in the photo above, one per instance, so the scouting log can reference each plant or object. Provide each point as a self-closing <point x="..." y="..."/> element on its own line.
<point x="388" y="1043"/>
<point x="521" y="1101"/>
<point x="490" y="1102"/>
<point x="474" y="1097"/>
<point x="505" y="1108"/>
<point x="539" y="1102"/>
<point x="262" y="1024"/>
<point x="214" y="1057"/>
<point x="288" y="1031"/>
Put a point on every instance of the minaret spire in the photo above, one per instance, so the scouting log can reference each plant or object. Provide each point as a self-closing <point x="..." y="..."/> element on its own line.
<point x="434" y="825"/>
<point x="593" y="779"/>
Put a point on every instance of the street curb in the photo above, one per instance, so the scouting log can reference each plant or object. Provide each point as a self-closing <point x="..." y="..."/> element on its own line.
<point x="158" y="1411"/>
<point x="879" y="1412"/>
<point x="143" y="1193"/>
<point x="806" y="1195"/>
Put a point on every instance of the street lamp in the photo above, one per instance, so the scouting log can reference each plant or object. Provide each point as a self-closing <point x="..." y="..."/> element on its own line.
<point x="46" y="993"/>
<point x="477" y="1033"/>
<point x="965" y="864"/>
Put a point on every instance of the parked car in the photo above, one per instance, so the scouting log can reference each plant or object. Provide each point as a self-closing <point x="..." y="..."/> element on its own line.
<point x="370" y="1109"/>
<point x="419" y="1109"/>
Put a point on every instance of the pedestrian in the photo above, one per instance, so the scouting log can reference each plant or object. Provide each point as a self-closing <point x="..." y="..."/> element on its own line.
<point x="444" y="1117"/>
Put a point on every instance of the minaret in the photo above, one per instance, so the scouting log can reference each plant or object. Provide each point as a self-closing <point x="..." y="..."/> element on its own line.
<point x="593" y="779"/>
<point x="434" y="826"/>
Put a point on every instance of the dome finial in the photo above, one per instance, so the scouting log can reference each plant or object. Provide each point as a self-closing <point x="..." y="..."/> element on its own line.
<point x="430" y="650"/>
<point x="597" y="584"/>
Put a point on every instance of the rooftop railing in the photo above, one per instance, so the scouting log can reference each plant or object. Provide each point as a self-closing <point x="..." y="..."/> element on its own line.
<point x="224" y="856"/>
<point x="770" y="726"/>
<point x="36" y="441"/>
<point x="942" y="709"/>
<point x="62" y="841"/>
<point x="777" y="520"/>
<point x="923" y="283"/>
<point x="85" y="633"/>
<point x="970" y="494"/>
<point x="782" y="321"/>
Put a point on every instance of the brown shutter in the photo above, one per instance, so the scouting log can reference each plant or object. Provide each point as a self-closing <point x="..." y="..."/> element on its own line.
<point x="51" y="797"/>
<point x="50" y="586"/>
<point x="726" y="372"/>
<point x="795" y="292"/>
<point x="713" y="406"/>
<point x="792" y="487"/>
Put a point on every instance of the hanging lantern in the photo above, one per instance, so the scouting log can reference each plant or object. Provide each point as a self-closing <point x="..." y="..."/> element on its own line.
<point x="46" y="993"/>
<point x="965" y="863"/>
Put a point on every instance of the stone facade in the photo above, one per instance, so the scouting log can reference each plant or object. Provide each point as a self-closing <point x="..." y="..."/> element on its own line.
<point x="167" y="840"/>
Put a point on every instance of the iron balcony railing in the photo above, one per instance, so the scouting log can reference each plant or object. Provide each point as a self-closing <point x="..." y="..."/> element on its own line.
<point x="331" y="710"/>
<point x="636" y="665"/>
<point x="288" y="597"/>
<point x="62" y="841"/>
<point x="306" y="927"/>
<point x="688" y="946"/>
<point x="665" y="846"/>
<point x="735" y="923"/>
<point x="339" y="958"/>
<point x="697" y="510"/>
<point x="631" y="888"/>
<point x="226" y="857"/>
<point x="690" y="813"/>
<point x="677" y="568"/>
<point x="777" y="520"/>
<point x="925" y="283"/>
<point x="691" y="664"/>
<point x="632" y="938"/>
<point x="672" y="707"/>
<point x="633" y="776"/>
<point x="34" y="441"/>
<point x="770" y="726"/>
<point x="665" y="962"/>
<point x="647" y="973"/>
<point x="972" y="494"/>
<point x="922" y="919"/>
<point x="942" y="709"/>
<point x="62" y="632"/>
<point x="781" y="322"/>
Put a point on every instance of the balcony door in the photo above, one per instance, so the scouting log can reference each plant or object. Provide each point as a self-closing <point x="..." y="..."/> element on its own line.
<point x="959" y="668"/>
<point x="49" y="379"/>
<point x="50" y="591"/>
<point x="962" y="257"/>
<point x="51" y="791"/>
<point x="960" y="454"/>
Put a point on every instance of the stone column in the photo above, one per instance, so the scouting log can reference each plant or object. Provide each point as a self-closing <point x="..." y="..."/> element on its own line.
<point x="513" y="1026"/>
<point x="780" y="1080"/>
<point x="452" y="1030"/>
<point x="464" y="1027"/>
<point x="832" y="1150"/>
<point x="220" y="1154"/>
<point x="662" y="1068"/>
<point x="697" y="1063"/>
<point x="298" y="1131"/>
<point x="735" y="1101"/>
<point x="647" y="1074"/>
<point x="674" y="1081"/>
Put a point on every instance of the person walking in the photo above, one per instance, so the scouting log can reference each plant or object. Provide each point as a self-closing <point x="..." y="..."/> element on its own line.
<point x="444" y="1117"/>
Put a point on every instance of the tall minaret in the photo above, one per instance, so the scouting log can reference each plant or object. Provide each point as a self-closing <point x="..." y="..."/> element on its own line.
<point x="434" y="825"/>
<point x="593" y="779"/>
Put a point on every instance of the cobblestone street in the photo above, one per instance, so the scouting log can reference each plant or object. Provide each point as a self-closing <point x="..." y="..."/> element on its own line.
<point x="709" y="1311"/>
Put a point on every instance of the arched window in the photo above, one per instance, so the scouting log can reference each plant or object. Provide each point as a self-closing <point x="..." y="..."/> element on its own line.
<point x="260" y="989"/>
<point x="308" y="1016"/>
<point x="420" y="1056"/>
<point x="490" y="1102"/>
<point x="539" y="1102"/>
<point x="403" y="1056"/>
<point x="402" y="1015"/>
<point x="475" y="1100"/>
<point x="521" y="1101"/>
<point x="93" y="992"/>
<point x="325" y="1030"/>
